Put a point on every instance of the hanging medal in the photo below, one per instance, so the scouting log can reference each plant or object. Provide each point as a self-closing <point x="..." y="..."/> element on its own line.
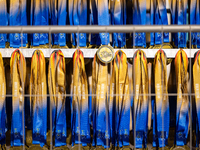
<point x="38" y="99"/>
<point x="59" y="17"/>
<point x="2" y="104"/>
<point x="39" y="16"/>
<point x="18" y="17"/>
<point x="196" y="85"/>
<point x="18" y="75"/>
<point x="139" y="18"/>
<point x="161" y="108"/>
<point x="182" y="108"/>
<point x="80" y="103"/>
<point x="119" y="103"/>
<point x="57" y="90"/>
<point x="140" y="86"/>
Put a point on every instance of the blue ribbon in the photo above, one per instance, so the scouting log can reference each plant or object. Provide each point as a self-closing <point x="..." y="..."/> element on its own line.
<point x="39" y="16"/>
<point x="139" y="18"/>
<point x="40" y="123"/>
<point x="59" y="17"/>
<point x="18" y="18"/>
<point x="152" y="21"/>
<point x="3" y="124"/>
<point x="161" y="19"/>
<point x="193" y="19"/>
<point x="95" y="38"/>
<point x="78" y="16"/>
<point x="103" y="19"/>
<point x="180" y="18"/>
<point x="118" y="17"/>
<point x="3" y="22"/>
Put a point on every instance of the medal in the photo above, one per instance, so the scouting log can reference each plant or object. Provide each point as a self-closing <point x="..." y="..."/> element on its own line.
<point x="182" y="114"/>
<point x="2" y="103"/>
<point x="161" y="108"/>
<point x="119" y="105"/>
<point x="38" y="86"/>
<point x="57" y="89"/>
<point x="80" y="102"/>
<point x="140" y="86"/>
<point x="18" y="76"/>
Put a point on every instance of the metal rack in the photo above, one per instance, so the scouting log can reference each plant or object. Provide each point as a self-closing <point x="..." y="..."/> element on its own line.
<point x="89" y="53"/>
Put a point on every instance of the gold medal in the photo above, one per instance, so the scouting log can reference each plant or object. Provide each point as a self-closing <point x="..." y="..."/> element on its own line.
<point x="185" y="147"/>
<point x="105" y="54"/>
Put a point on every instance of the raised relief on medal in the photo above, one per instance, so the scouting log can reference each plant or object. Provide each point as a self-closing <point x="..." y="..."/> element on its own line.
<point x="105" y="54"/>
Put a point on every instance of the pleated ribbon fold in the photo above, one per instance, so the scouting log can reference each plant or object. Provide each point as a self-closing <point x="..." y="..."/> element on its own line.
<point x="57" y="91"/>
<point x="18" y="76"/>
<point x="38" y="98"/>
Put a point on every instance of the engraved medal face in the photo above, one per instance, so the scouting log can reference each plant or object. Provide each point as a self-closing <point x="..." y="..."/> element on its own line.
<point x="105" y="54"/>
<point x="160" y="148"/>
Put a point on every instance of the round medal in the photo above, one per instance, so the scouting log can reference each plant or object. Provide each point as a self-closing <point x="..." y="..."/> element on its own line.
<point x="77" y="147"/>
<point x="105" y="54"/>
<point x="35" y="147"/>
<point x="185" y="147"/>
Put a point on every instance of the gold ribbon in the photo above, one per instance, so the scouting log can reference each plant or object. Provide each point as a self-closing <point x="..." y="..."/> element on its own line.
<point x="182" y="76"/>
<point x="57" y="82"/>
<point x="140" y="89"/>
<point x="119" y="93"/>
<point x="2" y="83"/>
<point x="18" y="76"/>
<point x="100" y="89"/>
<point x="38" y="85"/>
<point x="80" y="91"/>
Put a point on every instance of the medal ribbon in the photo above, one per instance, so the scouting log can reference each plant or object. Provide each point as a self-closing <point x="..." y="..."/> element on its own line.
<point x="3" y="22"/>
<point x="39" y="16"/>
<point x="123" y="101"/>
<point x="78" y="16"/>
<point x="18" y="75"/>
<point x="180" y="19"/>
<point x="161" y="101"/>
<point x="182" y="114"/>
<point x="119" y="18"/>
<point x="139" y="18"/>
<point x="59" y="17"/>
<point x="38" y="98"/>
<point x="18" y="18"/>
<point x="103" y="19"/>
<point x="193" y="18"/>
<point x="2" y="103"/>
<point x="95" y="38"/>
<point x="57" y="80"/>
<point x="196" y="83"/>
<point x="152" y="21"/>
<point x="81" y="125"/>
<point x="100" y="103"/>
<point x="140" y="86"/>
<point x="161" y="19"/>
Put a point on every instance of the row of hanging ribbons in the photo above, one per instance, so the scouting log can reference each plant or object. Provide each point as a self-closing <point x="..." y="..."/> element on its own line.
<point x="97" y="12"/>
<point x="101" y="119"/>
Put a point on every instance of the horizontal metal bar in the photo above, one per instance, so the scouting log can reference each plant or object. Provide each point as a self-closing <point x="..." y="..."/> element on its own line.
<point x="89" y="53"/>
<point x="99" y="29"/>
